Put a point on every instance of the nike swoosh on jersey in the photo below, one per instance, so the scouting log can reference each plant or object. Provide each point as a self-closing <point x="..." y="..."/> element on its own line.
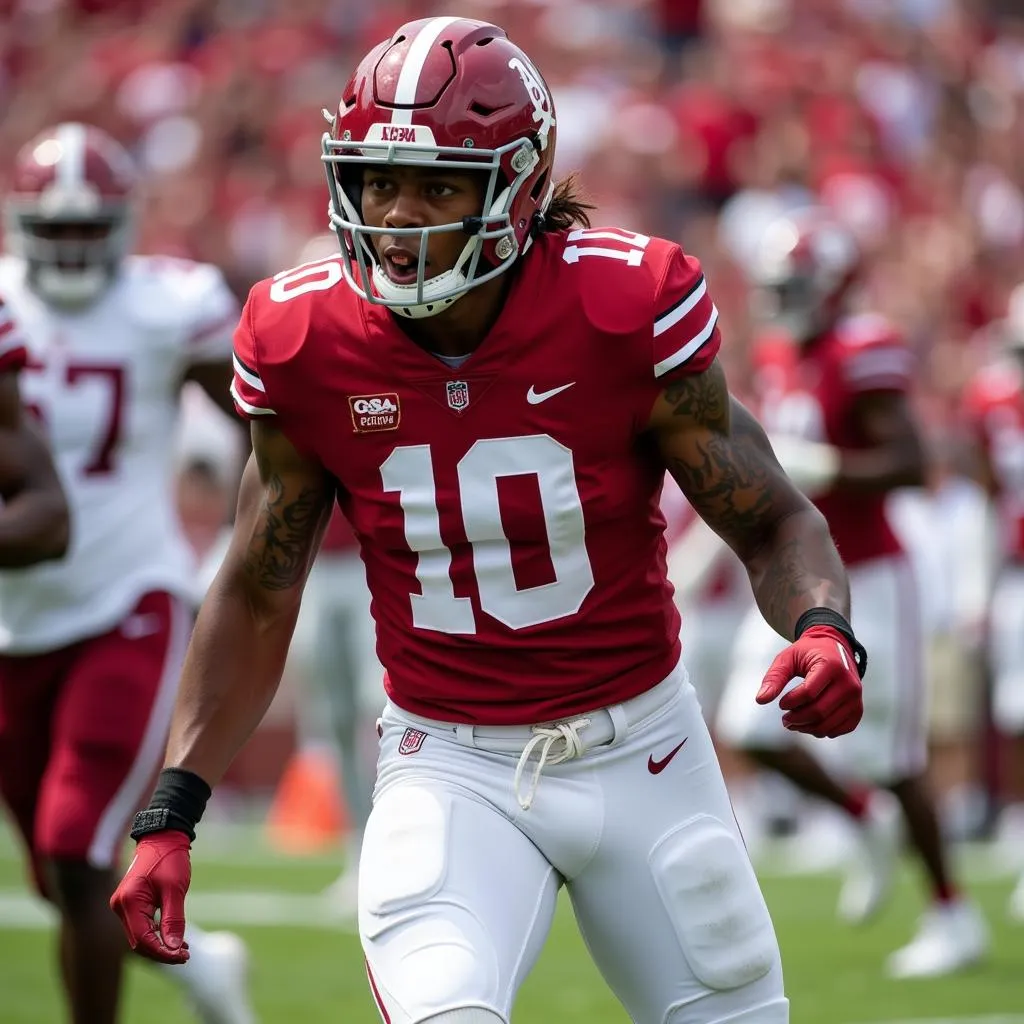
<point x="536" y="397"/>
<point x="657" y="767"/>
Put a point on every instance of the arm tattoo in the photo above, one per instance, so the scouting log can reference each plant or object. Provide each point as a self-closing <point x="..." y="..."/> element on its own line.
<point x="703" y="397"/>
<point x="723" y="469"/>
<point x="278" y="553"/>
<point x="802" y="571"/>
<point x="724" y="464"/>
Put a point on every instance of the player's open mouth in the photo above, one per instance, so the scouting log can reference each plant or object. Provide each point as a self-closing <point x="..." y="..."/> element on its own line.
<point x="400" y="264"/>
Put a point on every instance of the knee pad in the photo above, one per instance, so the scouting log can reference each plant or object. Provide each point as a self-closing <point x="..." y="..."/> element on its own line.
<point x="467" y="1015"/>
<point x="712" y="897"/>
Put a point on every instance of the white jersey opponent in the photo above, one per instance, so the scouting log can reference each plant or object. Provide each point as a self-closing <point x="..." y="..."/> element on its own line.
<point x="105" y="382"/>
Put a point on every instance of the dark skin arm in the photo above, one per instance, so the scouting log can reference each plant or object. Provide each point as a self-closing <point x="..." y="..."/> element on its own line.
<point x="237" y="654"/>
<point x="34" y="518"/>
<point x="722" y="461"/>
<point x="895" y="456"/>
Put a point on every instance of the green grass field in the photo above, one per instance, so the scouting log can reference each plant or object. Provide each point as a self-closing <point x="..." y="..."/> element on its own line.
<point x="306" y="971"/>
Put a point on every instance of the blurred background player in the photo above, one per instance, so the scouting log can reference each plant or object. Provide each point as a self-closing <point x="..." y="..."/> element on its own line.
<point x="834" y="402"/>
<point x="91" y="646"/>
<point x="995" y="404"/>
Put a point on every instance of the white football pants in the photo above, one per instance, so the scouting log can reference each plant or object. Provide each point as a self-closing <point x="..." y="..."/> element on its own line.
<point x="458" y="883"/>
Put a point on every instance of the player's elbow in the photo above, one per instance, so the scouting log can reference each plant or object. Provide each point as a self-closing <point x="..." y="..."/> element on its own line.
<point x="57" y="538"/>
<point x="52" y="535"/>
<point x="265" y="607"/>
<point x="39" y="531"/>
<point x="800" y="526"/>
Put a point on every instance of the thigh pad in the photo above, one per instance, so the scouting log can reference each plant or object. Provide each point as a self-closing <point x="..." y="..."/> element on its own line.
<point x="713" y="899"/>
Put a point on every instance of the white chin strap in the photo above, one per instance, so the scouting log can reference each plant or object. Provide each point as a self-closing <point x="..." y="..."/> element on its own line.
<point x="436" y="292"/>
<point x="70" y="288"/>
<point x="401" y="298"/>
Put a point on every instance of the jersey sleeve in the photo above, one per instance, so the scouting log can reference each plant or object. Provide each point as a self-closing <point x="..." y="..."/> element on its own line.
<point x="13" y="350"/>
<point x="875" y="358"/>
<point x="685" y="337"/>
<point x="247" y="387"/>
<point x="213" y="314"/>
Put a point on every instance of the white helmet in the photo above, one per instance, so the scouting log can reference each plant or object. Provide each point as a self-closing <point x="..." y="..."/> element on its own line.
<point x="68" y="213"/>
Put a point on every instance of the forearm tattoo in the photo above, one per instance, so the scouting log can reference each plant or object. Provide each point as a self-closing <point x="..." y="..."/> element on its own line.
<point x="722" y="469"/>
<point x="803" y="571"/>
<point x="729" y="473"/>
<point x="285" y="531"/>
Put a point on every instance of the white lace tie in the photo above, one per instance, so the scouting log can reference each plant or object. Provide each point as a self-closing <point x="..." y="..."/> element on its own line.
<point x="546" y="737"/>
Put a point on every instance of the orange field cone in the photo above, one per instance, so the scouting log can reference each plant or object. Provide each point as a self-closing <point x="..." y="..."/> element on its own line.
<point x="307" y="814"/>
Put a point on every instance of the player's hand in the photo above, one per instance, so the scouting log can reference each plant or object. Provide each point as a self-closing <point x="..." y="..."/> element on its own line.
<point x="830" y="701"/>
<point x="156" y="880"/>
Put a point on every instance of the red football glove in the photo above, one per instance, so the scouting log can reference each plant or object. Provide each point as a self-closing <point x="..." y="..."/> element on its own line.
<point x="156" y="880"/>
<point x="830" y="701"/>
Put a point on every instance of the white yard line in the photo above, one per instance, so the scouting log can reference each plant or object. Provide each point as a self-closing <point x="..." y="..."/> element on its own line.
<point x="19" y="910"/>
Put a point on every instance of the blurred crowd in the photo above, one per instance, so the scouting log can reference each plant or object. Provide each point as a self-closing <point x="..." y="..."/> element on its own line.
<point x="699" y="120"/>
<point x="694" y="119"/>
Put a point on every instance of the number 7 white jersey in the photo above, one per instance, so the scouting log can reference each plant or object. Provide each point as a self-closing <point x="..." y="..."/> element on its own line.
<point x="105" y="384"/>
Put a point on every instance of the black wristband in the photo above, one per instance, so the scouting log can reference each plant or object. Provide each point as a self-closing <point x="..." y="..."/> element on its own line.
<point x="178" y="803"/>
<point x="830" y="617"/>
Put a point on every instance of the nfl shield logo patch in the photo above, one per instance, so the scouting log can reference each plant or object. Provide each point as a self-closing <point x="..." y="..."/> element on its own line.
<point x="411" y="741"/>
<point x="458" y="395"/>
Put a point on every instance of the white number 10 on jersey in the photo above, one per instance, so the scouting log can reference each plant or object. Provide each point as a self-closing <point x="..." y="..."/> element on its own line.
<point x="409" y="470"/>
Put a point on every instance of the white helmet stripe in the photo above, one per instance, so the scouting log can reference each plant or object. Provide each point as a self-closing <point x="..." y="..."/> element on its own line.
<point x="412" y="67"/>
<point x="71" y="165"/>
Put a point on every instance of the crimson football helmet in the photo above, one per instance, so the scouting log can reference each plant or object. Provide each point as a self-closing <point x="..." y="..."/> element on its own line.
<point x="68" y="213"/>
<point x="804" y="268"/>
<point x="451" y="93"/>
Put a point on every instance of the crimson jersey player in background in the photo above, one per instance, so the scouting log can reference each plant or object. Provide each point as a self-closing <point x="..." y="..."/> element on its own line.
<point x="995" y="408"/>
<point x="492" y="391"/>
<point x="834" y="402"/>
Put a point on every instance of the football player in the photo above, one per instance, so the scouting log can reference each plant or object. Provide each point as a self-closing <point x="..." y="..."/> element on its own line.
<point x="492" y="391"/>
<point x="91" y="646"/>
<point x="995" y="405"/>
<point x="835" y="405"/>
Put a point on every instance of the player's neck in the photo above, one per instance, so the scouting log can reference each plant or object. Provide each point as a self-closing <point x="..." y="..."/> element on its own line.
<point x="462" y="327"/>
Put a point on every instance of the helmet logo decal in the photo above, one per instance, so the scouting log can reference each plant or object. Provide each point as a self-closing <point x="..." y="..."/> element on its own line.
<point x="543" y="106"/>
<point x="397" y="133"/>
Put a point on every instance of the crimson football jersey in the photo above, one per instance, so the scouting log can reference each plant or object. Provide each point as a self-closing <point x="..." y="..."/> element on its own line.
<point x="338" y="537"/>
<point x="507" y="510"/>
<point x="995" y="407"/>
<point x="811" y="392"/>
